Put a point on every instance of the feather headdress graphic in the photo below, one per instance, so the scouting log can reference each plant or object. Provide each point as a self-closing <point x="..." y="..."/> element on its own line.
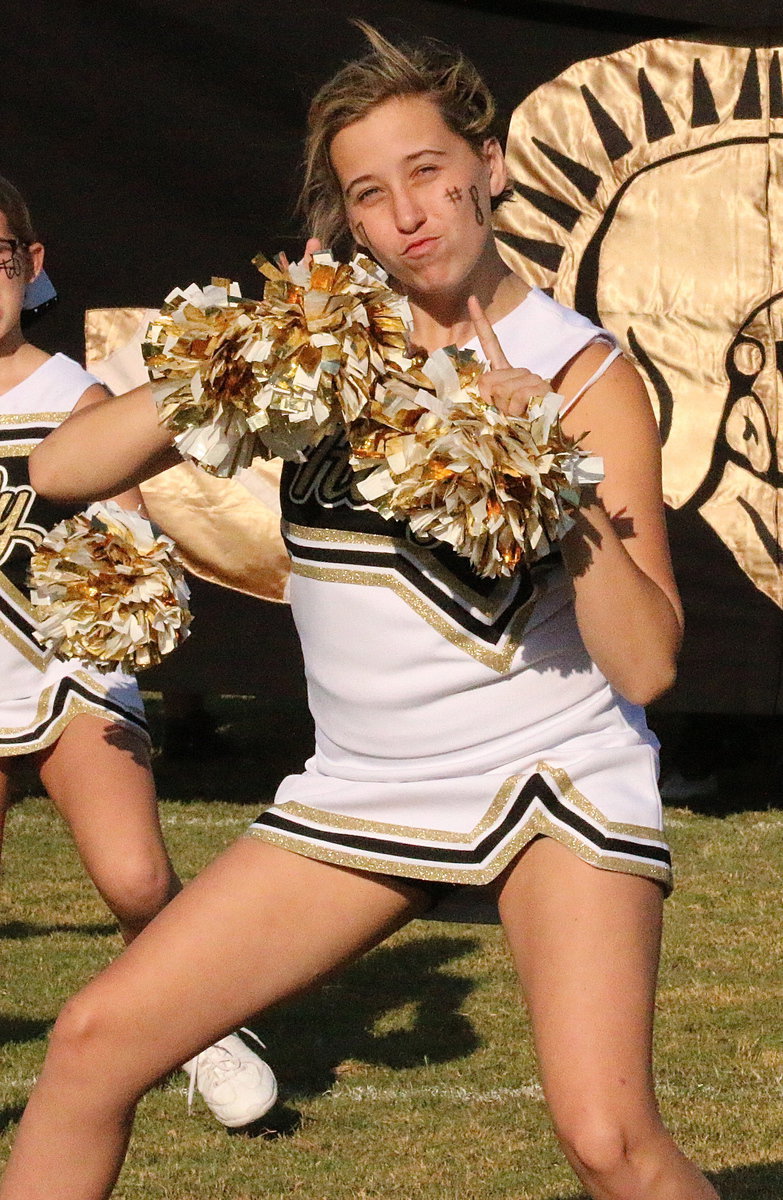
<point x="649" y="196"/>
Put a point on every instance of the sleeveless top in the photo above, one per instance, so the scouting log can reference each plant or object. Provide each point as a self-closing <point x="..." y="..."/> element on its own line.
<point x="439" y="697"/>
<point x="39" y="695"/>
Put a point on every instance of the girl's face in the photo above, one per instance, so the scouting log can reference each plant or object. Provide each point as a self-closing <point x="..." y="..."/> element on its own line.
<point x="18" y="266"/>
<point x="417" y="196"/>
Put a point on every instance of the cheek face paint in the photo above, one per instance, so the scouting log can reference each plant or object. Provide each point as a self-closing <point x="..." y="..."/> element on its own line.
<point x="477" y="209"/>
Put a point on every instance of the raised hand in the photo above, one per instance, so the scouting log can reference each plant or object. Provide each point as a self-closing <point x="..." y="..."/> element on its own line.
<point x="508" y="388"/>
<point x="312" y="246"/>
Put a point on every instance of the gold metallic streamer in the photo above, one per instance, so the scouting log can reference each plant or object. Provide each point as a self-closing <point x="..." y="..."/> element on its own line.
<point x="107" y="589"/>
<point x="497" y="488"/>
<point x="327" y="345"/>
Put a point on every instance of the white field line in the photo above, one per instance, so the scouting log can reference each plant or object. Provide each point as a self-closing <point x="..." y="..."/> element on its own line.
<point x="363" y="1093"/>
<point x="462" y="1095"/>
<point x="166" y="818"/>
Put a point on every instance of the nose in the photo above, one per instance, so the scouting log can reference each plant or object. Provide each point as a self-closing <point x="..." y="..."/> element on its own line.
<point x="408" y="212"/>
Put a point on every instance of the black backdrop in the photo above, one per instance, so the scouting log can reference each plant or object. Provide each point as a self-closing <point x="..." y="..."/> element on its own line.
<point x="158" y="143"/>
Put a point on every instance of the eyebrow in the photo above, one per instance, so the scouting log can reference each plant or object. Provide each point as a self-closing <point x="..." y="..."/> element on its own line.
<point x="408" y="159"/>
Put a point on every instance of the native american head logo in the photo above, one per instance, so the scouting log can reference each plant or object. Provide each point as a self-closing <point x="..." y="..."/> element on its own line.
<point x="649" y="196"/>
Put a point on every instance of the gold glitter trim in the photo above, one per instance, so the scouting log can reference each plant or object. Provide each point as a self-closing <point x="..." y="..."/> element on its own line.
<point x="408" y="833"/>
<point x="75" y="706"/>
<point x="97" y="686"/>
<point x="570" y="793"/>
<point x="497" y="660"/>
<point x="312" y="533"/>
<point x="17" y="449"/>
<point x="539" y="825"/>
<point x="37" y="657"/>
<point x="40" y="713"/>
<point x="45" y="418"/>
<point x="491" y="606"/>
<point x="34" y="656"/>
<point x="16" y="597"/>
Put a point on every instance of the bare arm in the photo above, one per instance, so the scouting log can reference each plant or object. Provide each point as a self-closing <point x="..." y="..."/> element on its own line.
<point x="627" y="604"/>
<point x="108" y="445"/>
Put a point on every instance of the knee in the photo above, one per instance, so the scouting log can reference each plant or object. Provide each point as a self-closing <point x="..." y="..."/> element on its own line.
<point x="608" y="1149"/>
<point x="92" y="1054"/>
<point x="81" y="1035"/>
<point x="138" y="890"/>
<point x="595" y="1146"/>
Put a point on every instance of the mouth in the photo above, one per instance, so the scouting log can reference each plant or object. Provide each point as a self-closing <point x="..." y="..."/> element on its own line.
<point x="420" y="248"/>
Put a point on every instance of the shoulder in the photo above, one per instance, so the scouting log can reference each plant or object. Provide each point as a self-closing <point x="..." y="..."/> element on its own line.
<point x="614" y="415"/>
<point x="65" y="368"/>
<point x="67" y="382"/>
<point x="543" y="335"/>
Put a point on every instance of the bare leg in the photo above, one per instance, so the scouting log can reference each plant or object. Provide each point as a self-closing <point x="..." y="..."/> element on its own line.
<point x="99" y="778"/>
<point x="273" y="922"/>
<point x="5" y="796"/>
<point x="586" y="944"/>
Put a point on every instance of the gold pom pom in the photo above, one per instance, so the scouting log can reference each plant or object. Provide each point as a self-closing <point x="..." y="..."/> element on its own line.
<point x="328" y="345"/>
<point x="235" y="378"/>
<point x="106" y="589"/>
<point x="497" y="488"/>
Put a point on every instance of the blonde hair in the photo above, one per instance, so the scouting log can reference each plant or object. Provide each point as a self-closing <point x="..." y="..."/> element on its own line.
<point x="16" y="213"/>
<point x="444" y="75"/>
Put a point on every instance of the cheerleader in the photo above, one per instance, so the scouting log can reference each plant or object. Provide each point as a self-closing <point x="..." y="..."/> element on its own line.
<point x="468" y="731"/>
<point x="83" y="729"/>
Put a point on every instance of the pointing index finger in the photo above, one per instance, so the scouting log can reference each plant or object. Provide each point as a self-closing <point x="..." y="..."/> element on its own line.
<point x="312" y="246"/>
<point x="492" y="348"/>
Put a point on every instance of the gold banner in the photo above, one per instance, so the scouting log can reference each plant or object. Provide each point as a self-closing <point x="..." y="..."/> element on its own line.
<point x="227" y="531"/>
<point x="649" y="196"/>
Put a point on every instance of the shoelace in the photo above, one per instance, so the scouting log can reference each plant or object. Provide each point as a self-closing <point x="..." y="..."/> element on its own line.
<point x="226" y="1065"/>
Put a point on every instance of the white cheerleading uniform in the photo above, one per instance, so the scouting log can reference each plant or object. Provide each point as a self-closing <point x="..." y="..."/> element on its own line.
<point x="456" y="717"/>
<point x="38" y="695"/>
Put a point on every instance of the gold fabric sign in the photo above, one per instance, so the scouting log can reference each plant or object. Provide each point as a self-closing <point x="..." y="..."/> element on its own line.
<point x="649" y="196"/>
<point x="227" y="530"/>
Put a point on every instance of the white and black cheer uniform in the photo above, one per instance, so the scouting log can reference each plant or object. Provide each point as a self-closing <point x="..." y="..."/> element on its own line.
<point x="38" y="695"/>
<point x="456" y="717"/>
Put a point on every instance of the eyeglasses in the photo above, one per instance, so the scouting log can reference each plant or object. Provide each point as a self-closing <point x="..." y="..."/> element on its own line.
<point x="9" y="249"/>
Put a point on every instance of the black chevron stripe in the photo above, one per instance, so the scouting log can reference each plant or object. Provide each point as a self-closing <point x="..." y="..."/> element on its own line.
<point x="401" y="565"/>
<point x="534" y="789"/>
<point x="25" y="433"/>
<point x="18" y="619"/>
<point x="65" y="688"/>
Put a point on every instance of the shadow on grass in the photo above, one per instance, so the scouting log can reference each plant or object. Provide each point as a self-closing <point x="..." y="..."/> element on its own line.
<point x="756" y="1181"/>
<point x="18" y="1030"/>
<point x="311" y="1038"/>
<point x="282" y="1122"/>
<point x="10" y="1116"/>
<point x="18" y="930"/>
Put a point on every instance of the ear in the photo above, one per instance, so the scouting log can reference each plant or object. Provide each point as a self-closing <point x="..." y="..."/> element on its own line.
<point x="35" y="252"/>
<point x="492" y="154"/>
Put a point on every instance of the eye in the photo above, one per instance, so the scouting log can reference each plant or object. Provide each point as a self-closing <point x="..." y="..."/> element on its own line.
<point x="427" y="169"/>
<point x="367" y="194"/>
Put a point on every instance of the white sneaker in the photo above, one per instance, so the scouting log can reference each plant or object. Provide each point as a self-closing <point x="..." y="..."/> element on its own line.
<point x="236" y="1083"/>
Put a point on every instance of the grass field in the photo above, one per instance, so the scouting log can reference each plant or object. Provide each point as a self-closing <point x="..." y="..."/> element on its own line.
<point x="412" y="1076"/>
